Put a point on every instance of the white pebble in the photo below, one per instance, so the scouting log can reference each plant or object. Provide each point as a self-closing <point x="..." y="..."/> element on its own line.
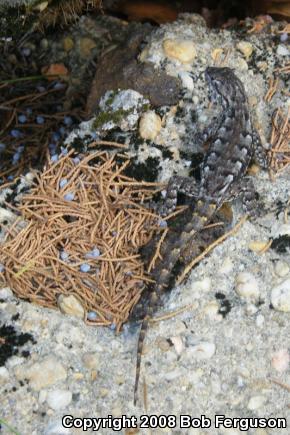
<point x="42" y="396"/>
<point x="70" y="305"/>
<point x="202" y="350"/>
<point x="56" y="428"/>
<point x="280" y="296"/>
<point x="178" y="344"/>
<point x="227" y="266"/>
<point x="283" y="230"/>
<point x="150" y="125"/>
<point x="280" y="360"/>
<point x="281" y="268"/>
<point x="4" y="375"/>
<point x="187" y="81"/>
<point x="203" y="285"/>
<point x="256" y="402"/>
<point x="58" y="399"/>
<point x="180" y="49"/>
<point x="42" y="374"/>
<point x="247" y="286"/>
<point x="282" y="50"/>
<point x="6" y="294"/>
<point x="251" y="309"/>
<point x="91" y="360"/>
<point x="211" y="310"/>
<point x="246" y="48"/>
<point x="260" y="320"/>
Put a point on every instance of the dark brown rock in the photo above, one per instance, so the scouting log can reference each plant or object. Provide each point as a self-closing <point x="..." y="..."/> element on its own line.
<point x="120" y="69"/>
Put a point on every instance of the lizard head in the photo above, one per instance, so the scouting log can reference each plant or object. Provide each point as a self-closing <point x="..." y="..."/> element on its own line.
<point x="223" y="85"/>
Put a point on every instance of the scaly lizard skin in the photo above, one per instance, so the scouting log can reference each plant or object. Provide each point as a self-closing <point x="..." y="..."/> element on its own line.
<point x="231" y="147"/>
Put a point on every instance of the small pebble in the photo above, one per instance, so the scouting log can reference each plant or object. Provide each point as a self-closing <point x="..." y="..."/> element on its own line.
<point x="178" y="344"/>
<point x="280" y="360"/>
<point x="281" y="268"/>
<point x="69" y="304"/>
<point x="40" y="119"/>
<point x="67" y="43"/>
<point x="260" y="320"/>
<point x="22" y="119"/>
<point x="203" y="285"/>
<point x="63" y="182"/>
<point x="92" y="315"/>
<point x="86" y="45"/>
<point x="16" y="158"/>
<point x="59" y="86"/>
<point x="56" y="428"/>
<point x="85" y="267"/>
<point x="52" y="147"/>
<point x="163" y="344"/>
<point x="67" y="120"/>
<point x="182" y="50"/>
<point x="227" y="266"/>
<point x="280" y="296"/>
<point x="187" y="81"/>
<point x="4" y="375"/>
<point x="282" y="50"/>
<point x="69" y="196"/>
<point x="162" y="223"/>
<point x="202" y="350"/>
<point x="16" y="133"/>
<point x="150" y="125"/>
<point x="91" y="360"/>
<point x="42" y="373"/>
<point x="76" y="160"/>
<point x="257" y="246"/>
<point x="64" y="255"/>
<point x="44" y="43"/>
<point x="40" y="88"/>
<point x="245" y="48"/>
<point x="6" y="293"/>
<point x="256" y="402"/>
<point x="284" y="37"/>
<point x="212" y="311"/>
<point x="247" y="287"/>
<point x="58" y="399"/>
<point x="55" y="136"/>
<point x="64" y="151"/>
<point x="93" y="254"/>
<point x="26" y="52"/>
<point x="54" y="158"/>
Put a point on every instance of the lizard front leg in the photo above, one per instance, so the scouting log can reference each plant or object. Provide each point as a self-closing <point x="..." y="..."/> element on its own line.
<point x="176" y="185"/>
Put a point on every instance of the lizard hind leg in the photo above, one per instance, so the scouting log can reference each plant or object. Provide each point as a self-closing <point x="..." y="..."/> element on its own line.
<point x="260" y="153"/>
<point x="248" y="196"/>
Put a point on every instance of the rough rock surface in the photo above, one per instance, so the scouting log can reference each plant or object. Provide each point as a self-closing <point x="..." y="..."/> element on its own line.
<point x="223" y="354"/>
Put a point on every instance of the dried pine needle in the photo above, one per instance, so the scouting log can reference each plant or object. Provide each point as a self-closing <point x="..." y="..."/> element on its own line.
<point x="105" y="215"/>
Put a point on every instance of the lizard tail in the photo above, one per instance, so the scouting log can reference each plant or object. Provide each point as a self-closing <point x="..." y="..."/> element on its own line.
<point x="142" y="333"/>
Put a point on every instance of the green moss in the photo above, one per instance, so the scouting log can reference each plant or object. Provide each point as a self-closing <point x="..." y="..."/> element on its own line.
<point x="111" y="98"/>
<point x="146" y="107"/>
<point x="104" y="117"/>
